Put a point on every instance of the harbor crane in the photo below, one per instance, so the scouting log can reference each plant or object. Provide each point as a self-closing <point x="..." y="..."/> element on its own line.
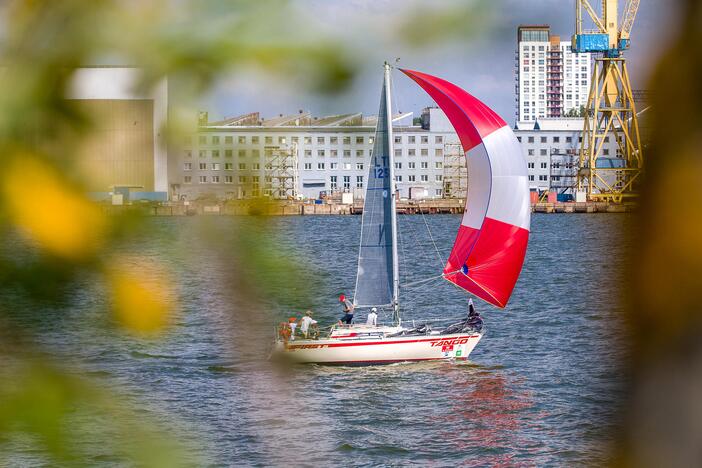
<point x="610" y="111"/>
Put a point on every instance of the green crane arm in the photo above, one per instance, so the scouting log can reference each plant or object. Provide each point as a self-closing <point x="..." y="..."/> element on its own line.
<point x="632" y="7"/>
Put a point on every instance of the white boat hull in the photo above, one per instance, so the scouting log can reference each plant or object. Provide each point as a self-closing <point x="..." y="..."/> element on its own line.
<point x="377" y="350"/>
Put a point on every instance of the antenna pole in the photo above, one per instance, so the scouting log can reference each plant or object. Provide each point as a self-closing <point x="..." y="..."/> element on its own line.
<point x="393" y="199"/>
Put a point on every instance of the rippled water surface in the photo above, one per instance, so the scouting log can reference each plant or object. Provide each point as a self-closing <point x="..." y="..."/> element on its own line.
<point x="542" y="387"/>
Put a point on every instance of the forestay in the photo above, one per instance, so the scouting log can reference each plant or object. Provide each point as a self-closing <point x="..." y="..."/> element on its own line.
<point x="375" y="277"/>
<point x="489" y="250"/>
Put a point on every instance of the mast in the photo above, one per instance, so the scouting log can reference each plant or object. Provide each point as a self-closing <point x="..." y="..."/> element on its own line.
<point x="393" y="198"/>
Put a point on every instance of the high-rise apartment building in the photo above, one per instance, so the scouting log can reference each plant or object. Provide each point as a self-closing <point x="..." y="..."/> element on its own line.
<point x="551" y="80"/>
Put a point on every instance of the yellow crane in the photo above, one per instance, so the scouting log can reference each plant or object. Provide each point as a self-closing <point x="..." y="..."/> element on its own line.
<point x="610" y="111"/>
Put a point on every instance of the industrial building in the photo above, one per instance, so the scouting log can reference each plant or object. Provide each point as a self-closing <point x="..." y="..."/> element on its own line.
<point x="125" y="152"/>
<point x="551" y="80"/>
<point x="302" y="157"/>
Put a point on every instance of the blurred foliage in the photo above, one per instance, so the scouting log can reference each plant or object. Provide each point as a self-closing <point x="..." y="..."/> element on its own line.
<point x="55" y="236"/>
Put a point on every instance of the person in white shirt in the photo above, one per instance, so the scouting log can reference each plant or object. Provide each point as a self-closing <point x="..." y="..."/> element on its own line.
<point x="372" y="317"/>
<point x="305" y="323"/>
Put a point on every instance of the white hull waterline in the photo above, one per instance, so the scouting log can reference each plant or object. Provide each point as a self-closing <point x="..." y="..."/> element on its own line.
<point x="376" y="349"/>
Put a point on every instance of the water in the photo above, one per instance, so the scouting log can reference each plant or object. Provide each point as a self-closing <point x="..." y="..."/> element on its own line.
<point x="542" y="388"/>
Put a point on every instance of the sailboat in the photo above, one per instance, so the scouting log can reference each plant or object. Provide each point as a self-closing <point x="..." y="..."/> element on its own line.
<point x="486" y="258"/>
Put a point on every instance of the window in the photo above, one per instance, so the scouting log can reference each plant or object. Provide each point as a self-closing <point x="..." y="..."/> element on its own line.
<point x="424" y="178"/>
<point x="187" y="166"/>
<point x="215" y="166"/>
<point x="269" y="140"/>
<point x="438" y="139"/>
<point x="334" y="140"/>
<point x="556" y="139"/>
<point x="606" y="139"/>
<point x="256" y="153"/>
<point x="398" y="140"/>
<point x="254" y="140"/>
<point x="308" y="166"/>
<point x="530" y="165"/>
<point x="256" y="166"/>
<point x="544" y="165"/>
<point x="424" y="152"/>
<point x="347" y="153"/>
<point x="188" y="153"/>
<point x="439" y="178"/>
<point x="544" y="139"/>
<point x="228" y="179"/>
<point x="411" y="152"/>
<point x="398" y="165"/>
<point x="202" y="153"/>
<point x="320" y="140"/>
<point x="320" y="165"/>
<point x="519" y="139"/>
<point x="424" y="165"/>
<point x="308" y="140"/>
<point x="332" y="182"/>
<point x="531" y="152"/>
<point x="347" y="166"/>
<point x="411" y="178"/>
<point x="215" y="179"/>
<point x="543" y="178"/>
<point x="531" y="139"/>
<point x="242" y="166"/>
<point x="569" y="139"/>
<point x="543" y="152"/>
<point x="242" y="179"/>
<point x="241" y="140"/>
<point x="398" y="153"/>
<point x="228" y="166"/>
<point x="187" y="179"/>
<point x="347" y="140"/>
<point x="359" y="140"/>
<point x="202" y="166"/>
<point x="411" y="165"/>
<point x="215" y="153"/>
<point x="531" y="177"/>
<point x="308" y="153"/>
<point x="215" y="140"/>
<point x="359" y="181"/>
<point x="347" y="182"/>
<point x="334" y="153"/>
<point x="411" y="139"/>
<point x="398" y="178"/>
<point x="359" y="166"/>
<point x="605" y="152"/>
<point x="228" y="153"/>
<point x="359" y="153"/>
<point x="438" y="164"/>
<point x="371" y="140"/>
<point x="295" y="140"/>
<point x="320" y="153"/>
<point x="242" y="153"/>
<point x="281" y="140"/>
<point x="203" y="179"/>
<point x="438" y="192"/>
<point x="333" y="165"/>
<point x="425" y="140"/>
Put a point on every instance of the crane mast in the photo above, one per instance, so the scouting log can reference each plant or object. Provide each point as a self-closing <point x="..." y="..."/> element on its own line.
<point x="610" y="111"/>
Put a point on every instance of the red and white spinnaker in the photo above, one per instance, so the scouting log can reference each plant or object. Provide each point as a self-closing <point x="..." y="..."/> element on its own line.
<point x="489" y="250"/>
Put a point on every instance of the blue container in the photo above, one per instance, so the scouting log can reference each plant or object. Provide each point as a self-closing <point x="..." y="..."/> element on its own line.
<point x="564" y="197"/>
<point x="318" y="202"/>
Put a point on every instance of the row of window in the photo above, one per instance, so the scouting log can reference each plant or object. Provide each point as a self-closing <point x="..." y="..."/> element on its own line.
<point x="542" y="178"/>
<point x="333" y="180"/>
<point x="556" y="139"/>
<point x="307" y="140"/>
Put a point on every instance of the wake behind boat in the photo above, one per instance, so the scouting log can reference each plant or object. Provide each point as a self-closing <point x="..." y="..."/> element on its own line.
<point x="487" y="255"/>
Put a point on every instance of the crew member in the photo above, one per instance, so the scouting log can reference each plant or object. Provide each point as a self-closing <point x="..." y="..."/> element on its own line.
<point x="292" y="323"/>
<point x="348" y="310"/>
<point x="372" y="317"/>
<point x="305" y="323"/>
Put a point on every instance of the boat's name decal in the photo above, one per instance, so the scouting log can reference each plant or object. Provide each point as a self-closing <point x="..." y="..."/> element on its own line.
<point x="453" y="342"/>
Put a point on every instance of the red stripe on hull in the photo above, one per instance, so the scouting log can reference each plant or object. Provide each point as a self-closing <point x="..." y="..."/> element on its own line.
<point x="387" y="361"/>
<point x="494" y="260"/>
<point x="373" y="343"/>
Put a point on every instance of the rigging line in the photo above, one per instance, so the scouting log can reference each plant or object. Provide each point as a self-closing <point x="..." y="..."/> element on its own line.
<point x="436" y="249"/>
<point x="403" y="259"/>
<point x="425" y="280"/>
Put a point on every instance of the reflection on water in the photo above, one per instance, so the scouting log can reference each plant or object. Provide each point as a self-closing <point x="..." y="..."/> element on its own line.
<point x="536" y="390"/>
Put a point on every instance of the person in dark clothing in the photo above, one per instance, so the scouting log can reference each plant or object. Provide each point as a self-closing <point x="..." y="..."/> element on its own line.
<point x="348" y="310"/>
<point x="475" y="321"/>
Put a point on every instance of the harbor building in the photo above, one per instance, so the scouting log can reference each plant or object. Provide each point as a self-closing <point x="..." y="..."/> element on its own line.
<point x="125" y="151"/>
<point x="551" y="149"/>
<point x="303" y="157"/>
<point x="551" y="80"/>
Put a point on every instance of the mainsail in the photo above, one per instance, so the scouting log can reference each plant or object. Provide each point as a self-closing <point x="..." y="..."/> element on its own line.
<point x="376" y="279"/>
<point x="489" y="250"/>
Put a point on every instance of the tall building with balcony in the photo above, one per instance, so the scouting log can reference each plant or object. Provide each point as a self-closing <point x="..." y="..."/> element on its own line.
<point x="551" y="80"/>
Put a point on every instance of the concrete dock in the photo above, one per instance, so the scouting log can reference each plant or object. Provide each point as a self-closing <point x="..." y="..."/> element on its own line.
<point x="296" y="208"/>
